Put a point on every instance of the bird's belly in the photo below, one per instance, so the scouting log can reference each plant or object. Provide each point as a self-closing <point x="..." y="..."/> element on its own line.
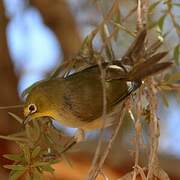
<point x="68" y="119"/>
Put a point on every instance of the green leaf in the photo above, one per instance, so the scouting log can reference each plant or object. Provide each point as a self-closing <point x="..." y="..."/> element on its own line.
<point x="33" y="131"/>
<point x="26" y="151"/>
<point x="16" y="117"/>
<point x="47" y="168"/>
<point x="152" y="24"/>
<point x="176" y="4"/>
<point x="153" y="6"/>
<point x="16" y="175"/>
<point x="174" y="77"/>
<point x="37" y="131"/>
<point x="35" y="152"/>
<point x="54" y="161"/>
<point x="28" y="177"/>
<point x="15" y="167"/>
<point x="38" y="164"/>
<point x="176" y="54"/>
<point x="36" y="174"/>
<point x="161" y="22"/>
<point x="13" y="157"/>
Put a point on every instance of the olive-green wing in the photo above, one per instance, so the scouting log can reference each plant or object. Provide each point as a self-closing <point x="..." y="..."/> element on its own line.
<point x="83" y="95"/>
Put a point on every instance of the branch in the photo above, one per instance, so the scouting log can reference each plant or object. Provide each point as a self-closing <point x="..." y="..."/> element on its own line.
<point x="58" y="17"/>
<point x="94" y="170"/>
<point x="8" y="78"/>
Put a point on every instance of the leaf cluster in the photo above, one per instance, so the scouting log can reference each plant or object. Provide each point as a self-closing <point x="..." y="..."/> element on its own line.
<point x="40" y="146"/>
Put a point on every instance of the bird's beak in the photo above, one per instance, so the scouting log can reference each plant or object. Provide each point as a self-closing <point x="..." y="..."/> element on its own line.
<point x="26" y="112"/>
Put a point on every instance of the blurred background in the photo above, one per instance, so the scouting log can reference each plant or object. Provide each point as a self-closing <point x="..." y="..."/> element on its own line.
<point x="37" y="35"/>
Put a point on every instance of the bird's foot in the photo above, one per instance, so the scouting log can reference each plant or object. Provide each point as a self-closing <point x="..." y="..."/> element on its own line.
<point x="79" y="135"/>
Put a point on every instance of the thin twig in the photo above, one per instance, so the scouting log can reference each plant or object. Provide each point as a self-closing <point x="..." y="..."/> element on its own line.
<point x="176" y="26"/>
<point x="93" y="172"/>
<point x="139" y="16"/>
<point x="120" y="26"/>
<point x="138" y="133"/>
<point x="113" y="137"/>
<point x="131" y="12"/>
<point x="11" y="107"/>
<point x="141" y="172"/>
<point x="106" y="19"/>
<point x="139" y="108"/>
<point x="154" y="129"/>
<point x="107" y="41"/>
<point x="104" y="176"/>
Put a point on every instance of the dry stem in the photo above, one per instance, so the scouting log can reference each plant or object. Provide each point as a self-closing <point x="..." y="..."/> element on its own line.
<point x="154" y="129"/>
<point x="94" y="170"/>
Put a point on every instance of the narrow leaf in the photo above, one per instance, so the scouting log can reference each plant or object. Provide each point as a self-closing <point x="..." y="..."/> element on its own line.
<point x="161" y="22"/>
<point x="176" y="4"/>
<point x="47" y="168"/>
<point x="174" y="77"/>
<point x="26" y="151"/>
<point x="28" y="177"/>
<point x="153" y="6"/>
<point x="13" y="157"/>
<point x="176" y="54"/>
<point x="16" y="117"/>
<point x="35" y="152"/>
<point x="15" y="167"/>
<point x="16" y="175"/>
<point x="36" y="174"/>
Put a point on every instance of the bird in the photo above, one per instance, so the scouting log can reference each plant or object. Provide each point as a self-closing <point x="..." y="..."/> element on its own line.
<point x="76" y="100"/>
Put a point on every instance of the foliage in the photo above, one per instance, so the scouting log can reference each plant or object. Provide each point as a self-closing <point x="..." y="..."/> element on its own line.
<point x="40" y="145"/>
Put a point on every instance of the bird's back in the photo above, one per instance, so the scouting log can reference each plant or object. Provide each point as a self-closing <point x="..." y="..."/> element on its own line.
<point x="81" y="94"/>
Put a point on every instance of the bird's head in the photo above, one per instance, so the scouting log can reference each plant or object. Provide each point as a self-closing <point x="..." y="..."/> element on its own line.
<point x="37" y="105"/>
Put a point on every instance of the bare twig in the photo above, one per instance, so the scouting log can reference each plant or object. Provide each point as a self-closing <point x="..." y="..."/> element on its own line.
<point x="173" y="19"/>
<point x="104" y="176"/>
<point x="137" y="124"/>
<point x="154" y="129"/>
<point x="113" y="137"/>
<point x="11" y="107"/>
<point x="106" y="19"/>
<point x="131" y="12"/>
<point x="120" y="26"/>
<point x="139" y="106"/>
<point x="95" y="167"/>
<point x="94" y="170"/>
<point x="139" y="16"/>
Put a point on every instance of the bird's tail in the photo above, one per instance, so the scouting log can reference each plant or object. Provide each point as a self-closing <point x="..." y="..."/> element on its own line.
<point x="137" y="52"/>
<point x="149" y="67"/>
<point x="139" y="61"/>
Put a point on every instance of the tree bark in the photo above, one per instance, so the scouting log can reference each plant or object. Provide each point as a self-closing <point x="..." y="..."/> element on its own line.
<point x="8" y="92"/>
<point x="58" y="17"/>
<point x="8" y="78"/>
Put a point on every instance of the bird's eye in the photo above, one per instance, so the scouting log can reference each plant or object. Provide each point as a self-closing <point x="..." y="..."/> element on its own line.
<point x="32" y="108"/>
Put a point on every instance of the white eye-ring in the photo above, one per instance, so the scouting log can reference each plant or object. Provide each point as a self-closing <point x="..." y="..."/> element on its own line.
<point x="32" y="108"/>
